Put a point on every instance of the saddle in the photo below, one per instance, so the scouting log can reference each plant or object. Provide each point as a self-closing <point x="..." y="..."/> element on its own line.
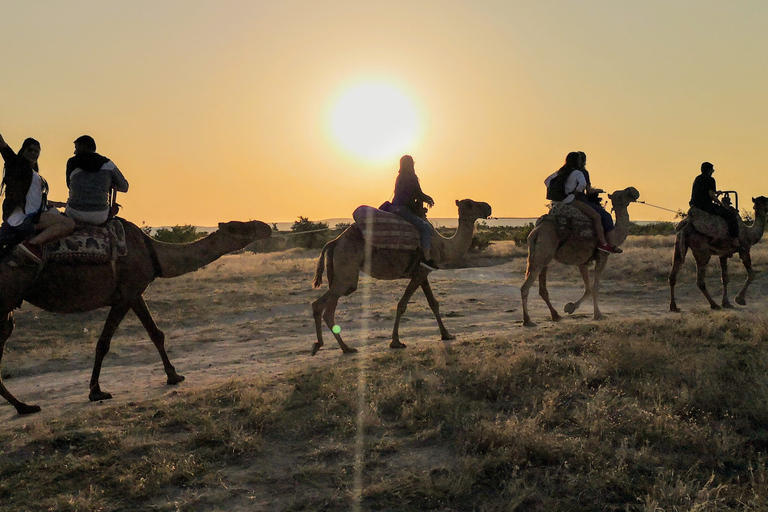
<point x="569" y="221"/>
<point x="89" y="244"/>
<point x="708" y="224"/>
<point x="386" y="230"/>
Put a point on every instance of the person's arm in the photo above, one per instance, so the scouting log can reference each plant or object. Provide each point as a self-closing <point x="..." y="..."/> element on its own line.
<point x="6" y="151"/>
<point x="119" y="182"/>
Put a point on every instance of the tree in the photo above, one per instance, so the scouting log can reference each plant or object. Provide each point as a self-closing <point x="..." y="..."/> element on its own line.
<point x="178" y="234"/>
<point x="310" y="235"/>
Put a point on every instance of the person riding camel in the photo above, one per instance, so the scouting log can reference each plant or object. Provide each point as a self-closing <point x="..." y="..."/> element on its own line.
<point x="408" y="204"/>
<point x="571" y="185"/>
<point x="704" y="196"/>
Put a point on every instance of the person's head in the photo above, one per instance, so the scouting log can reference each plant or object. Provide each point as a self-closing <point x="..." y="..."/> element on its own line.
<point x="406" y="163"/>
<point x="582" y="160"/>
<point x="572" y="160"/>
<point x="30" y="150"/>
<point x="85" y="144"/>
<point x="707" y="169"/>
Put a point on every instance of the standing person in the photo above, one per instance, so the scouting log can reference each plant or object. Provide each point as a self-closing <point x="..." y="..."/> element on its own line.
<point x="704" y="197"/>
<point x="408" y="204"/>
<point x="90" y="178"/>
<point x="28" y="216"/>
<point x="570" y="185"/>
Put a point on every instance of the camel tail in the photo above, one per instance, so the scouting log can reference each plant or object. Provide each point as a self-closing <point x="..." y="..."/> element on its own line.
<point x="320" y="268"/>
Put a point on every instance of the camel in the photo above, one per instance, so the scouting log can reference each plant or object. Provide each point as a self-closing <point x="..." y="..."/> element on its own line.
<point x="68" y="288"/>
<point x="347" y="257"/>
<point x="546" y="243"/>
<point x="704" y="247"/>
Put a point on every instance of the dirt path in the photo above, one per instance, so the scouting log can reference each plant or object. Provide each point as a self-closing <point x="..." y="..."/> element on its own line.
<point x="274" y="337"/>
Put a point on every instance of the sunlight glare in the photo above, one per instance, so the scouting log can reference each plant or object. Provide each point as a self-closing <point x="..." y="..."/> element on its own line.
<point x="375" y="122"/>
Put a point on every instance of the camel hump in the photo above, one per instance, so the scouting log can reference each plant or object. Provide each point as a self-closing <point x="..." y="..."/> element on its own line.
<point x="386" y="230"/>
<point x="707" y="224"/>
<point x="569" y="220"/>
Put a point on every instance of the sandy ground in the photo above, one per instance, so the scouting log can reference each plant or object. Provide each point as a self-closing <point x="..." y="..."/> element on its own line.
<point x="276" y="335"/>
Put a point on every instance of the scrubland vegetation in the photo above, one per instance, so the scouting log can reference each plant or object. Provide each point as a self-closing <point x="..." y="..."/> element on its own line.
<point x="646" y="413"/>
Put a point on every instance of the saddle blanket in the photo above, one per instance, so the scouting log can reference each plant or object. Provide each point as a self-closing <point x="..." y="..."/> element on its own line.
<point x="89" y="244"/>
<point x="569" y="221"/>
<point x="386" y="230"/>
<point x="707" y="224"/>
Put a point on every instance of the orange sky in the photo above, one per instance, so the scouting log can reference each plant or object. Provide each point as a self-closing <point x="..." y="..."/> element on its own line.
<point x="220" y="110"/>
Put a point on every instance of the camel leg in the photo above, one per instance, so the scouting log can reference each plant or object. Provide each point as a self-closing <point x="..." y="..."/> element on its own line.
<point x="544" y="294"/>
<point x="701" y="277"/>
<point x="139" y="307"/>
<point x="677" y="262"/>
<point x="435" y="306"/>
<point x="571" y="307"/>
<point x="599" y="266"/>
<point x="6" y="328"/>
<point x="746" y="259"/>
<point x="324" y="308"/>
<point x="530" y="276"/>
<point x="724" y="278"/>
<point x="403" y="305"/>
<point x="115" y="316"/>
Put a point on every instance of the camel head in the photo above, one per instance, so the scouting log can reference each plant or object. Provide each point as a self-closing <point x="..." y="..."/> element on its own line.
<point x="624" y="197"/>
<point x="760" y="204"/>
<point x="249" y="231"/>
<point x="473" y="210"/>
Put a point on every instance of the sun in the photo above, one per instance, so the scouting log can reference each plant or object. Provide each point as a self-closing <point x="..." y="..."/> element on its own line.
<point x="375" y="122"/>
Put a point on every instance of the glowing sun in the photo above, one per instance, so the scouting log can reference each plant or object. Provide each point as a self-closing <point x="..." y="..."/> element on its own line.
<point x="375" y="121"/>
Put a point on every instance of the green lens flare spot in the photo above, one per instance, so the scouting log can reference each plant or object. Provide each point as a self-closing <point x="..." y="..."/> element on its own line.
<point x="336" y="329"/>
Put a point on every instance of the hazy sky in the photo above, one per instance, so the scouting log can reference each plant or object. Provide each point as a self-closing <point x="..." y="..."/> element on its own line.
<point x="222" y="110"/>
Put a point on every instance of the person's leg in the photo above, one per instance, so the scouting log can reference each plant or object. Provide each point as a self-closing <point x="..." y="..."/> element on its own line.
<point x="424" y="227"/>
<point x="594" y="216"/>
<point x="51" y="226"/>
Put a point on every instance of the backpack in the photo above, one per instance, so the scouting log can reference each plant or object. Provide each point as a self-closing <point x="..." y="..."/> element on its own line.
<point x="556" y="188"/>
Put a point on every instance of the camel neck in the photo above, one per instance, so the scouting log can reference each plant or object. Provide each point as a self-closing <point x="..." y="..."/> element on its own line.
<point x="179" y="259"/>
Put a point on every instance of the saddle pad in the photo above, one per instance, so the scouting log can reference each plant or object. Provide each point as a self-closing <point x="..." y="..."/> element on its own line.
<point x="89" y="244"/>
<point x="708" y="224"/>
<point x="569" y="220"/>
<point x="386" y="230"/>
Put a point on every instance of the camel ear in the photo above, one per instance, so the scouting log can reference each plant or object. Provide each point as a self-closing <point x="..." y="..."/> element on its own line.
<point x="457" y="202"/>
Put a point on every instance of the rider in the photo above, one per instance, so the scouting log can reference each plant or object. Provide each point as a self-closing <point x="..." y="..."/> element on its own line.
<point x="704" y="197"/>
<point x="407" y="203"/>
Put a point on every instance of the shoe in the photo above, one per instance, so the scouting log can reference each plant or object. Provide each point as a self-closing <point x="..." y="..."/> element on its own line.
<point x="609" y="248"/>
<point x="429" y="265"/>
<point x="31" y="251"/>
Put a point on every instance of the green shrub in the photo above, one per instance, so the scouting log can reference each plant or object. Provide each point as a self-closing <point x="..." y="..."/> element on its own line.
<point x="178" y="234"/>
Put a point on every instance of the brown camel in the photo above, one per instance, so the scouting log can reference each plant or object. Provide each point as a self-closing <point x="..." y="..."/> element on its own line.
<point x="67" y="288"/>
<point x="546" y="243"/>
<point x="704" y="247"/>
<point x="347" y="258"/>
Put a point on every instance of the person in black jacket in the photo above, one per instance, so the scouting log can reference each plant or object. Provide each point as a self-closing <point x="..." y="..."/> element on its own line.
<point x="408" y="204"/>
<point x="28" y="216"/>
<point x="704" y="196"/>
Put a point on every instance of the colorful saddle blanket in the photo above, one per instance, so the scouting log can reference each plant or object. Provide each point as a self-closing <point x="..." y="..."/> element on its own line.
<point x="89" y="244"/>
<point x="569" y="221"/>
<point x="705" y="223"/>
<point x="386" y="230"/>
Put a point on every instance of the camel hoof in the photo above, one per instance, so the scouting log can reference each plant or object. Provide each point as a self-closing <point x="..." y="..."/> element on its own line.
<point x="396" y="344"/>
<point x="98" y="396"/>
<point x="448" y="337"/>
<point x="529" y="324"/>
<point x="556" y="317"/>
<point x="727" y="305"/>
<point x="674" y="309"/>
<point x="599" y="316"/>
<point x="316" y="347"/>
<point x="27" y="409"/>
<point x="570" y="308"/>
<point x="740" y="301"/>
<point x="715" y="306"/>
<point x="175" y="379"/>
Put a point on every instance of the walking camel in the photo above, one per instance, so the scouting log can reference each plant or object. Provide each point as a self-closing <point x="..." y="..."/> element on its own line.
<point x="346" y="258"/>
<point x="704" y="247"/>
<point x="547" y="242"/>
<point x="68" y="288"/>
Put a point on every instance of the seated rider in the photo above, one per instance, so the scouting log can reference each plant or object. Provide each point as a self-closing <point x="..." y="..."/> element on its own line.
<point x="90" y="178"/>
<point x="407" y="203"/>
<point x="704" y="197"/>
<point x="571" y="185"/>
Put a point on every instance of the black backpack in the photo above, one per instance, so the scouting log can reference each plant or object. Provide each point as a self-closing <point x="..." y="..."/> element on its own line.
<point x="556" y="188"/>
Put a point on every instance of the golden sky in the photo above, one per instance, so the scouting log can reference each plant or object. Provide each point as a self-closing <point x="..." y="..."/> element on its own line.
<point x="220" y="110"/>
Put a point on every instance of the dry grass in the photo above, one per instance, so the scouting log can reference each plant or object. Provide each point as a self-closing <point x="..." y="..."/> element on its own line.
<point x="667" y="412"/>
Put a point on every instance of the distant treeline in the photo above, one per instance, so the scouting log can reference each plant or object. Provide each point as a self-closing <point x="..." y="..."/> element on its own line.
<point x="307" y="234"/>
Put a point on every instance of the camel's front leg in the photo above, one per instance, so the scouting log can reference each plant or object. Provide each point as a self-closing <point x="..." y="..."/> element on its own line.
<point x="435" y="306"/>
<point x="724" y="278"/>
<point x="158" y="338"/>
<point x="324" y="308"/>
<point x="677" y="262"/>
<point x="6" y="328"/>
<point x="701" y="278"/>
<point x="571" y="307"/>
<point x="403" y="305"/>
<point x="530" y="276"/>
<point x="544" y="294"/>
<point x="115" y="316"/>
<point x="746" y="259"/>
<point x="599" y="266"/>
